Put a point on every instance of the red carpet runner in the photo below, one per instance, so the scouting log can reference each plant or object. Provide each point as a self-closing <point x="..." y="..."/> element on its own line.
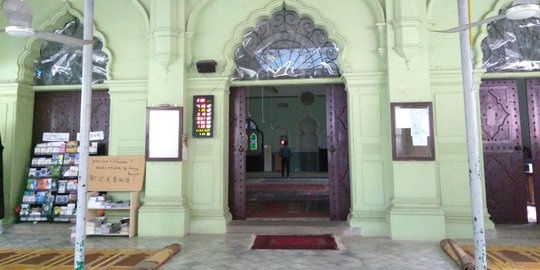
<point x="295" y="242"/>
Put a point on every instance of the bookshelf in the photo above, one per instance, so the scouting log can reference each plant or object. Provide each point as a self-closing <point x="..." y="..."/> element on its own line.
<point x="50" y="193"/>
<point x="109" y="178"/>
<point x="99" y="208"/>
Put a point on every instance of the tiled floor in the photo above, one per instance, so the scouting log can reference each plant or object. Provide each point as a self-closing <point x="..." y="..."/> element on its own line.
<point x="232" y="251"/>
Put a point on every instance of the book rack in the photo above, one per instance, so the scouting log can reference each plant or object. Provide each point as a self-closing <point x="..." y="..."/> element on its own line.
<point x="50" y="193"/>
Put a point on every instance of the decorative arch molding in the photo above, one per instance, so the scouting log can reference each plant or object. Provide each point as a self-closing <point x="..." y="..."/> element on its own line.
<point x="429" y="6"/>
<point x="25" y="61"/>
<point x="483" y="33"/>
<point x="190" y="28"/>
<point x="266" y="13"/>
<point x="380" y="14"/>
<point x="194" y="15"/>
<point x="379" y="11"/>
<point x="143" y="12"/>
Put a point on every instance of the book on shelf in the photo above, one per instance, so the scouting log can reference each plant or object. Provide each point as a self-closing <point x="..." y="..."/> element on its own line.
<point x="55" y="171"/>
<point x="57" y="159"/>
<point x="70" y="171"/>
<point x="29" y="197"/>
<point x="61" y="199"/>
<point x="56" y="211"/>
<point x="25" y="209"/>
<point x="51" y="186"/>
<point x="44" y="184"/>
<point x="31" y="184"/>
<point x="40" y="197"/>
<point x="46" y="209"/>
<point x="72" y="147"/>
<point x="72" y="196"/>
<point x="49" y="198"/>
<point x="71" y="159"/>
<point x="71" y="185"/>
<point x="62" y="186"/>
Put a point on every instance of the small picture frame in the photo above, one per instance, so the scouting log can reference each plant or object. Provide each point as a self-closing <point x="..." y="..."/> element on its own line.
<point x="164" y="127"/>
<point x="412" y="131"/>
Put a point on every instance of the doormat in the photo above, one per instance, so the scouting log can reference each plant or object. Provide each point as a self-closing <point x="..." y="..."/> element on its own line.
<point x="62" y="258"/>
<point x="317" y="242"/>
<point x="498" y="257"/>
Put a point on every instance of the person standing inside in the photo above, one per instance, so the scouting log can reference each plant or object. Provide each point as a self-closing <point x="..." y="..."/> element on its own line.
<point x="285" y="153"/>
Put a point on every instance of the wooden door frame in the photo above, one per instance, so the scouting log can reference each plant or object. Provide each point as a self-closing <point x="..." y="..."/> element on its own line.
<point x="237" y="177"/>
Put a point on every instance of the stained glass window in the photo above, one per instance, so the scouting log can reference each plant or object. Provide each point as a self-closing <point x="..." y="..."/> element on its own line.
<point x="250" y="124"/>
<point x="253" y="142"/>
<point x="512" y="45"/>
<point x="286" y="46"/>
<point x="61" y="64"/>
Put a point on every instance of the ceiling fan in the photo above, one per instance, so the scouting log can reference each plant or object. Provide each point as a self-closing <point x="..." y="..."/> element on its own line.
<point x="19" y="24"/>
<point x="519" y="10"/>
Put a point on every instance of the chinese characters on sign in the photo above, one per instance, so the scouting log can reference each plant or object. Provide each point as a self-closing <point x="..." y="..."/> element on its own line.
<point x="203" y="116"/>
<point x="115" y="173"/>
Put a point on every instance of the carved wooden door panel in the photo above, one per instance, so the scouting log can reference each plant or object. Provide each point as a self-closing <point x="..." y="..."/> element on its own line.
<point x="533" y="102"/>
<point x="503" y="157"/>
<point x="60" y="112"/>
<point x="237" y="152"/>
<point x="338" y="152"/>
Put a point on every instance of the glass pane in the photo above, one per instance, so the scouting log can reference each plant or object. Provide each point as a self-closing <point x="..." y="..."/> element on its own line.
<point x="286" y="46"/>
<point x="412" y="131"/>
<point x="512" y="45"/>
<point x="61" y="64"/>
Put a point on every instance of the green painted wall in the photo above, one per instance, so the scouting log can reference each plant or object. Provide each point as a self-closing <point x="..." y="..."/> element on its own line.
<point x="387" y="54"/>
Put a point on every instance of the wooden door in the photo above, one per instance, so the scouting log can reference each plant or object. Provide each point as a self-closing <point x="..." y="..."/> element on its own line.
<point x="506" y="192"/>
<point x="237" y="153"/>
<point x="533" y="102"/>
<point x="60" y="112"/>
<point x="338" y="152"/>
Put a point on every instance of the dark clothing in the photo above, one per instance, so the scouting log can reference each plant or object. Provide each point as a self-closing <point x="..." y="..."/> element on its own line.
<point x="285" y="153"/>
<point x="285" y="164"/>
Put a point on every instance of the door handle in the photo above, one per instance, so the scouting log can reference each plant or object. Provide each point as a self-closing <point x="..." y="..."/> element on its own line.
<point x="518" y="148"/>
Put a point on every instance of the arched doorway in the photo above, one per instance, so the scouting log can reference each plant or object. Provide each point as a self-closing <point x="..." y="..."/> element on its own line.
<point x="324" y="192"/>
<point x="288" y="46"/>
<point x="509" y="119"/>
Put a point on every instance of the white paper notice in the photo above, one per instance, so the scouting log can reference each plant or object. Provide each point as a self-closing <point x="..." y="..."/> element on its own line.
<point x="55" y="137"/>
<point x="163" y="137"/>
<point x="403" y="117"/>
<point x="420" y="126"/>
<point x="94" y="136"/>
<point x="420" y="140"/>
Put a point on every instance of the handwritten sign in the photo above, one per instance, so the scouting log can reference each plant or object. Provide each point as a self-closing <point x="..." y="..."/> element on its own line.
<point x="55" y="137"/>
<point x="115" y="173"/>
<point x="94" y="136"/>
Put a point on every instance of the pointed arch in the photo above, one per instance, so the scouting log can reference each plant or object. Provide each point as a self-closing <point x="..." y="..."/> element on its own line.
<point x="144" y="13"/>
<point x="190" y="30"/>
<point x="32" y="47"/>
<point x="266" y="13"/>
<point x="483" y="33"/>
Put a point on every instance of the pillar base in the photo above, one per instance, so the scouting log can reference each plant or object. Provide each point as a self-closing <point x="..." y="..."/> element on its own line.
<point x="164" y="216"/>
